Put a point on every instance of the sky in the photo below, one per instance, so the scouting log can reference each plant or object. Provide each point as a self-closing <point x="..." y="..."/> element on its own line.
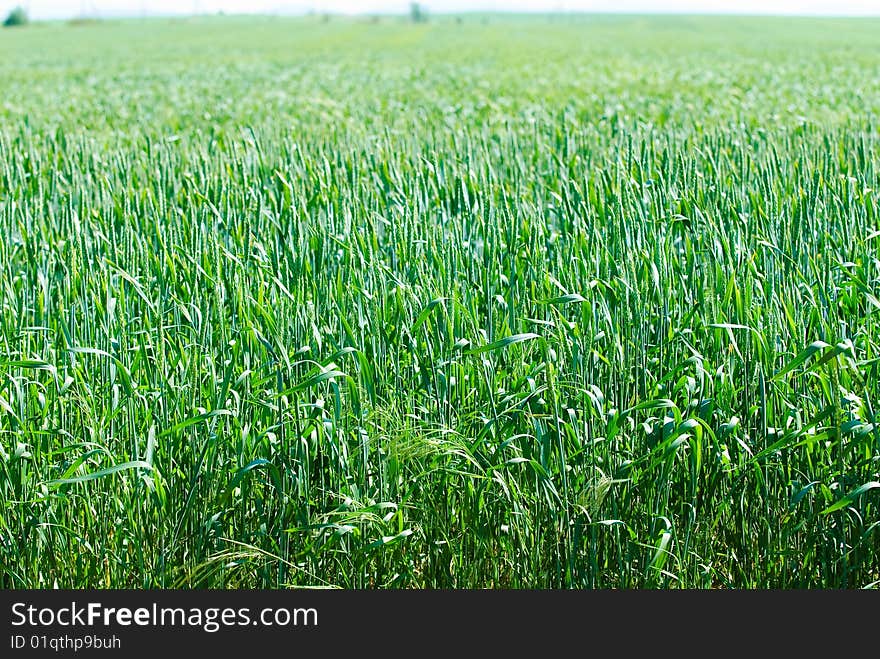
<point x="42" y="9"/>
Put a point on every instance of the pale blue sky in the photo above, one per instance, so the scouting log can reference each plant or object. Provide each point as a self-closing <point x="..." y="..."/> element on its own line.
<point x="70" y="8"/>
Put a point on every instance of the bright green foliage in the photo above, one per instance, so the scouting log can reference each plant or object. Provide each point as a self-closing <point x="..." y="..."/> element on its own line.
<point x="511" y="302"/>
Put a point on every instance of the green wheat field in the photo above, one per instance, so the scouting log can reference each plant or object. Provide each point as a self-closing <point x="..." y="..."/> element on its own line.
<point x="484" y="302"/>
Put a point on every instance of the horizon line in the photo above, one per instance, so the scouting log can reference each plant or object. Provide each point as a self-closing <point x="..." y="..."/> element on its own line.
<point x="472" y="12"/>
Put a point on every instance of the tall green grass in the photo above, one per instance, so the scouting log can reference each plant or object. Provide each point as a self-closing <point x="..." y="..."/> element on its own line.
<point x="583" y="302"/>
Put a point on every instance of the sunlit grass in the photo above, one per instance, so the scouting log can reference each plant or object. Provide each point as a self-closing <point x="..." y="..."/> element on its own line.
<point x="524" y="303"/>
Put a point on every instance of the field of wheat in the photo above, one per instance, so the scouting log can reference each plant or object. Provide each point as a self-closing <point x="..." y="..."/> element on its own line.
<point x="501" y="302"/>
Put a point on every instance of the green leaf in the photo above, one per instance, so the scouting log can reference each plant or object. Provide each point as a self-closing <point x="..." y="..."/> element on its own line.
<point x="566" y="299"/>
<point x="318" y="378"/>
<point x="32" y="364"/>
<point x="503" y="343"/>
<point x="390" y="539"/>
<point x="136" y="464"/>
<point x="423" y="316"/>
<point x="803" y="356"/>
<point x="851" y="497"/>
<point x="193" y="421"/>
<point x="274" y="474"/>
